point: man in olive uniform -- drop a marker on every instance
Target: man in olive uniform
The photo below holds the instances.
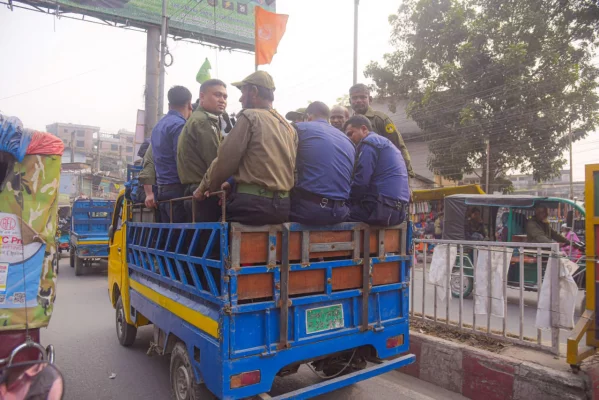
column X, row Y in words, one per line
column 198, row 145
column 359, row 97
column 296, row 116
column 259, row 154
column 538, row 229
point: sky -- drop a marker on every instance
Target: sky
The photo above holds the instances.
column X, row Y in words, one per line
column 64, row 70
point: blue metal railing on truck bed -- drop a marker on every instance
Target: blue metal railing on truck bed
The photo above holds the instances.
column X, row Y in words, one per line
column 237, row 316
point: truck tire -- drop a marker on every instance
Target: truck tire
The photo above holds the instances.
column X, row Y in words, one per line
column 72, row 259
column 78, row 266
column 183, row 384
column 125, row 332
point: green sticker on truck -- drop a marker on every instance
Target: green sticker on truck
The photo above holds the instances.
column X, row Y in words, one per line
column 324, row 318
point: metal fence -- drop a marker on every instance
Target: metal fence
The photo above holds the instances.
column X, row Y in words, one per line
column 462, row 281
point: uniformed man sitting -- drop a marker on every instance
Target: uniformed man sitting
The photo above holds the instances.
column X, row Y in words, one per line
column 198, row 146
column 380, row 191
column 359, row 97
column 259, row 153
column 325, row 162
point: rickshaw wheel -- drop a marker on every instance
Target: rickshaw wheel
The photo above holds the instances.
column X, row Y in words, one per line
column 454, row 284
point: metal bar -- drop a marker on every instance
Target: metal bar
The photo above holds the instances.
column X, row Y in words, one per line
column 305, row 247
column 412, row 282
column 365, row 279
column 555, row 300
column 272, row 249
column 461, row 311
column 381, row 239
column 479, row 243
column 521, row 249
column 474, row 262
column 193, row 210
column 424, row 287
column 356, row 238
column 448, row 285
column 504, row 268
column 490, row 289
column 539, row 282
column 284, row 302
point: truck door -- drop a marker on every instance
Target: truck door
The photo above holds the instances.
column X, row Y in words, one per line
column 116, row 258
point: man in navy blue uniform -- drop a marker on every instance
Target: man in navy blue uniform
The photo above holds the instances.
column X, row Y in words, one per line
column 325, row 162
column 165, row 137
column 380, row 191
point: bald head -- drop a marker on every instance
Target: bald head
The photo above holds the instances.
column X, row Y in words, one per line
column 339, row 115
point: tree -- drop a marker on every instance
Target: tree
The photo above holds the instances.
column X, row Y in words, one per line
column 518, row 73
column 344, row 101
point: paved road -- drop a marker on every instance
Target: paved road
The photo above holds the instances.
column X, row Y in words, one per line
column 513, row 309
column 82, row 330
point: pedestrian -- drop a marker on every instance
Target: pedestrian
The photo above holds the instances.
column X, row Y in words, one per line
column 380, row 191
column 439, row 225
column 325, row 162
column 475, row 227
column 360, row 99
column 259, row 154
column 165, row 136
column 339, row 115
column 198, row 146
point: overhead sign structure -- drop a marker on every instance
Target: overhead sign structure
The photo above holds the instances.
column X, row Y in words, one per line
column 221, row 22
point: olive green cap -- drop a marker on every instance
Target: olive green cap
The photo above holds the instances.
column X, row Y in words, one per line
column 258, row 78
column 295, row 115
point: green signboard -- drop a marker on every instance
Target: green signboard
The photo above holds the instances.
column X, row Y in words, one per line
column 324, row 318
column 221, row 22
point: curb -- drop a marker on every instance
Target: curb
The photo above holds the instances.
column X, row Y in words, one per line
column 479, row 374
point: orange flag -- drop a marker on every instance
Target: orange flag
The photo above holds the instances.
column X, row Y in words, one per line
column 270, row 28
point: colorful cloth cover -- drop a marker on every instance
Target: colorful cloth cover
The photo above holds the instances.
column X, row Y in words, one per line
column 28, row 218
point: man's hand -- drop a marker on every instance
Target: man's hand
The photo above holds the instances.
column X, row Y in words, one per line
column 150, row 202
column 199, row 195
column 226, row 187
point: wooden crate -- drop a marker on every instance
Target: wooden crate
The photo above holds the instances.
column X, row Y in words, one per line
column 256, row 246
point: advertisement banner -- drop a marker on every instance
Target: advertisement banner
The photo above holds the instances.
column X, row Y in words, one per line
column 221, row 22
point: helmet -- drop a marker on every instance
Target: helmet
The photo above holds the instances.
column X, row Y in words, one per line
column 565, row 226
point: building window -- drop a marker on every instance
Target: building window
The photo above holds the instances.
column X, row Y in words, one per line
column 129, row 140
column 80, row 143
column 129, row 158
column 114, row 147
column 129, row 149
column 80, row 134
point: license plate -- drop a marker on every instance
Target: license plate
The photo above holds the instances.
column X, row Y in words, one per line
column 324, row 318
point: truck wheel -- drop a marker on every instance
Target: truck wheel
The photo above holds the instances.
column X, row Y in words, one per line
column 125, row 332
column 455, row 284
column 78, row 266
column 183, row 384
column 72, row 259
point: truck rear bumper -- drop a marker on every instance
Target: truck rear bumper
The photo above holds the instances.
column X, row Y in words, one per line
column 345, row 380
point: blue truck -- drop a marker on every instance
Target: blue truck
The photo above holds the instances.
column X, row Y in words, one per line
column 90, row 220
column 236, row 306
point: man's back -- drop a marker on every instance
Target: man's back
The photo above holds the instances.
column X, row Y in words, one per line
column 380, row 170
column 325, row 160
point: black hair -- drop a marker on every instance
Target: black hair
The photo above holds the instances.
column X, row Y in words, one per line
column 319, row 109
column 211, row 83
column 359, row 87
column 266, row 94
column 179, row 96
column 358, row 121
column 474, row 209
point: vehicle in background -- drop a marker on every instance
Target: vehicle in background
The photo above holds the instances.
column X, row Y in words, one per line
column 90, row 220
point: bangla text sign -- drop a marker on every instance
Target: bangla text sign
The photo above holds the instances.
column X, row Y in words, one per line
column 222, row 22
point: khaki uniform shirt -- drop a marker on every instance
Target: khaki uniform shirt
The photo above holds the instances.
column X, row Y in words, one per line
column 383, row 125
column 197, row 146
column 541, row 232
column 147, row 176
column 259, row 150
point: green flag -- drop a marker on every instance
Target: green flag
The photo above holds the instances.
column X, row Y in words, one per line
column 204, row 72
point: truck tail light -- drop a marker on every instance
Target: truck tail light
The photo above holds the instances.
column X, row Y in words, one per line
column 394, row 341
column 245, row 379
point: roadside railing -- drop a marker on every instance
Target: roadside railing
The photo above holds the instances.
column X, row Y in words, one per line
column 470, row 283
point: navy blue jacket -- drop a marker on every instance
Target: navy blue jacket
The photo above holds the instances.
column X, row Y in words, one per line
column 165, row 136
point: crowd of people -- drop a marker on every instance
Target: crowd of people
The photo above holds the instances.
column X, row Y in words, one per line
column 317, row 166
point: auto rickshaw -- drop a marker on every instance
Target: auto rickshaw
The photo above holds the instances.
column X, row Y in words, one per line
column 519, row 208
column 30, row 164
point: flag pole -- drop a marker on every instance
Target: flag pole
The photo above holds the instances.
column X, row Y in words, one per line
column 356, row 3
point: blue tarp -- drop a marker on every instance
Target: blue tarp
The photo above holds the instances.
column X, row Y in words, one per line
column 14, row 139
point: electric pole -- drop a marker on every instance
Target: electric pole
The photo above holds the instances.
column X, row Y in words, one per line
column 356, row 4
column 488, row 164
column 571, row 166
column 152, row 75
column 163, row 36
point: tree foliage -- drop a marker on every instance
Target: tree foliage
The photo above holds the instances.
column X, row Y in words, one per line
column 518, row 73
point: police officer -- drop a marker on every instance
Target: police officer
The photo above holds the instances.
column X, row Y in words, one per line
column 380, row 190
column 325, row 162
column 359, row 96
column 259, row 154
column 296, row 116
column 198, row 146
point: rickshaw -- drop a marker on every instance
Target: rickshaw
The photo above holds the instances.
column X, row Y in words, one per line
column 519, row 208
column 30, row 164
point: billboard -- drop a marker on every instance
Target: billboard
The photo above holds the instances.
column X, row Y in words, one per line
column 221, row 22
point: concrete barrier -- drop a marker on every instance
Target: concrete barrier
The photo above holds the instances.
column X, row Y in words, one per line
column 479, row 374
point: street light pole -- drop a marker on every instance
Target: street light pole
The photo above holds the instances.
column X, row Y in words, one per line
column 356, row 3
column 163, row 34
